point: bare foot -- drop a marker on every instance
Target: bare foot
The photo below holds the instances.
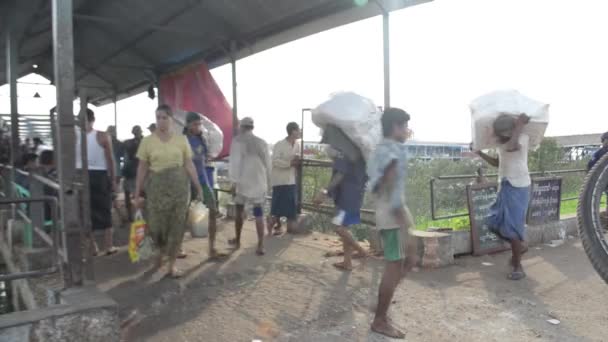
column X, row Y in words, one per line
column 159, row 262
column 111, row 251
column 343, row 266
column 214, row 254
column 234, row 243
column 360, row 255
column 260, row 251
column 182, row 254
column 384, row 328
column 175, row 273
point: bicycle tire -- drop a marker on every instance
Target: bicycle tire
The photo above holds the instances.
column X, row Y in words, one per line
column 588, row 214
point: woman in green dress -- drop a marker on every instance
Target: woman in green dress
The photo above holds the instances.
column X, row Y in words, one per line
column 165, row 170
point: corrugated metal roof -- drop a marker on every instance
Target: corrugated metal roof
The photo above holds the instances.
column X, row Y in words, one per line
column 121, row 46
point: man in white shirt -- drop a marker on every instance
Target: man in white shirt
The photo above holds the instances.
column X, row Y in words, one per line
column 249, row 173
column 508, row 215
column 285, row 159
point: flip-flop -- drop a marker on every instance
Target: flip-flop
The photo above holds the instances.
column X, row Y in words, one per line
column 218, row 256
column 340, row 266
column 175, row 274
column 395, row 333
column 111, row 251
column 277, row 232
column 360, row 256
column 182, row 255
column 517, row 275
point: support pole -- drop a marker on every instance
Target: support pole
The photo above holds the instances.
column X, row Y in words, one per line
column 63, row 63
column 84, row 191
column 158, row 93
column 387, row 58
column 11, row 67
column 235, row 117
column 115, row 117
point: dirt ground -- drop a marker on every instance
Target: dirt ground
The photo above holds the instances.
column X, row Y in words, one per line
column 294, row 294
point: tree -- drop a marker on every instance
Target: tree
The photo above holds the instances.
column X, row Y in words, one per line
column 546, row 157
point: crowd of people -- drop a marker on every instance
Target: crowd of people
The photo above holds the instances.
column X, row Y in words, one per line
column 162, row 173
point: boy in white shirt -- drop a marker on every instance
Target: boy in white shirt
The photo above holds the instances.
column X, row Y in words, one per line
column 508, row 213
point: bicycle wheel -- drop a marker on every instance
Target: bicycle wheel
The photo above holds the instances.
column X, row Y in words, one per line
column 590, row 226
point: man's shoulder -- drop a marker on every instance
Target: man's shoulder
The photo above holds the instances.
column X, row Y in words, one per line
column 260, row 140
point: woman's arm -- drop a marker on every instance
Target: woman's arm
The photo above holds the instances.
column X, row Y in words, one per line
column 142, row 173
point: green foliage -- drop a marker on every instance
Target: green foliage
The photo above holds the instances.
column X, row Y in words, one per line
column 546, row 157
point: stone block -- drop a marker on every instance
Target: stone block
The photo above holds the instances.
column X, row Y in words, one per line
column 434, row 249
column 303, row 225
column 84, row 314
column 461, row 242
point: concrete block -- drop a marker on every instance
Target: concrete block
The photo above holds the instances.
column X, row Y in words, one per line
column 18, row 333
column 303, row 225
column 84, row 314
column 461, row 242
column 434, row 249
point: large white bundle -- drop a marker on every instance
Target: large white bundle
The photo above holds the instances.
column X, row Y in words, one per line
column 211, row 132
column 213, row 136
column 485, row 109
column 357, row 116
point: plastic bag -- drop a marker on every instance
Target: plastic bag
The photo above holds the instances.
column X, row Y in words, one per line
column 214, row 137
column 197, row 219
column 358, row 117
column 485, row 109
column 140, row 244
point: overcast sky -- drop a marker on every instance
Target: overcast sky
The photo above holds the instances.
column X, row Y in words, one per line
column 443, row 55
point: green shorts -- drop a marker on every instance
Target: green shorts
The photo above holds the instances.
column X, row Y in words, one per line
column 394, row 242
column 208, row 195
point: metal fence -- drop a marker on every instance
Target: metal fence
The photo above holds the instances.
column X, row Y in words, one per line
column 434, row 180
column 31, row 210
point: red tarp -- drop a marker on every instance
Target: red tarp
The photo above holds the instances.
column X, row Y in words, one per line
column 193, row 89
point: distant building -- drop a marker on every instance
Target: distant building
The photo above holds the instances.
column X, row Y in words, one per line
column 430, row 150
column 580, row 146
column 426, row 150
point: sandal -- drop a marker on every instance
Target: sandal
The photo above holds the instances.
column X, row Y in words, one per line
column 516, row 275
column 175, row 274
column 111, row 251
column 342, row 267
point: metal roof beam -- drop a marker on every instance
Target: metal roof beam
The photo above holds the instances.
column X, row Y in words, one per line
column 116, row 21
column 142, row 36
column 95, row 73
column 121, row 41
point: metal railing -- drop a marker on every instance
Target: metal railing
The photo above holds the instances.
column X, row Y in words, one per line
column 534, row 174
column 36, row 221
column 54, row 243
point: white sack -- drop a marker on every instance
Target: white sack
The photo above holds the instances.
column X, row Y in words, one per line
column 485, row 109
column 214, row 137
column 357, row 116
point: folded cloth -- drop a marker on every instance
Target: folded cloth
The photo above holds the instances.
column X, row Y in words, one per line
column 508, row 214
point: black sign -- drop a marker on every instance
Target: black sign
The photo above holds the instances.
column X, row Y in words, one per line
column 480, row 198
column 545, row 200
